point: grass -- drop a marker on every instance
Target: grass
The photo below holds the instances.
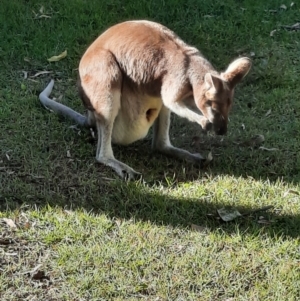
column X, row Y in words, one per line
column 81, row 233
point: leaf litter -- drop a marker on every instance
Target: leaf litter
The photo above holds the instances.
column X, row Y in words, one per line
column 198, row 228
column 41, row 14
column 268, row 113
column 24, row 260
column 208, row 159
column 59, row 57
column 254, row 141
column 9, row 222
column 295, row 26
column 40, row 73
column 268, row 149
column 290, row 191
column 230, row 214
column 283, row 7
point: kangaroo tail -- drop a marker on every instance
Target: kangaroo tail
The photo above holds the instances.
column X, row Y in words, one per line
column 60, row 108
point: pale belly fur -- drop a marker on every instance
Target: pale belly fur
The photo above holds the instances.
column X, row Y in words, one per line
column 136, row 115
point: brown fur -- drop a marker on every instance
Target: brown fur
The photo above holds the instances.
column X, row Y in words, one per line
column 135, row 73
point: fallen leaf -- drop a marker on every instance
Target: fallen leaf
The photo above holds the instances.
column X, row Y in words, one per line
column 209, row 156
column 264, row 222
column 68, row 154
column 43, row 16
column 208, row 159
column 258, row 210
column 11, row 254
column 35, row 14
column 5, row 241
column 228, row 214
column 272, row 32
column 268, row 149
column 199, row 228
column 58, row 99
column 282, row 6
column 41, row 73
column 25, row 74
column 296, row 26
column 268, row 113
column 231, row 214
column 34, row 270
column 252, row 53
column 118, row 222
column 211, row 215
column 32, row 80
column 57, row 58
column 10, row 222
column 107, row 179
column 291, row 191
column 48, row 109
column 257, row 139
column 253, row 141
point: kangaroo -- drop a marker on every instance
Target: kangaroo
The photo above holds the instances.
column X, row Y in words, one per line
column 134, row 75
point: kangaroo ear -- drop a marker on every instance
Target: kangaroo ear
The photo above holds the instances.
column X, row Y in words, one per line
column 236, row 71
column 213, row 83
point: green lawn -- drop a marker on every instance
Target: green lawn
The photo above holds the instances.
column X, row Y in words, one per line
column 75, row 231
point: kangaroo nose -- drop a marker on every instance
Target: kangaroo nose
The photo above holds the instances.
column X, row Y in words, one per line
column 222, row 131
column 208, row 127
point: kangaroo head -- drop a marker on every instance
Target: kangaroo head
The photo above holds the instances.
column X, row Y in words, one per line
column 217, row 97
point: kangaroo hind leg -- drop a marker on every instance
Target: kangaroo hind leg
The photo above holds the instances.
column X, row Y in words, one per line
column 102, row 85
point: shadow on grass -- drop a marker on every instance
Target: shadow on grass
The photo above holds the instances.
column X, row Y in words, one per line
column 142, row 202
column 79, row 183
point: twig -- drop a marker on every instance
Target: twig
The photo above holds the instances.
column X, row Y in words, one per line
column 258, row 210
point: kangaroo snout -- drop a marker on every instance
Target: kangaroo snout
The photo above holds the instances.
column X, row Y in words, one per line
column 220, row 127
column 207, row 126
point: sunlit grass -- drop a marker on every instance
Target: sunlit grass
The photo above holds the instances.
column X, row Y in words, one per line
column 97, row 238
